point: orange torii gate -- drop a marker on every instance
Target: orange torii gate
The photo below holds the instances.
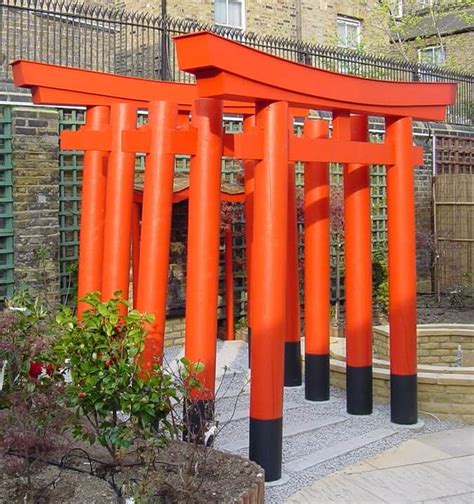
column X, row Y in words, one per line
column 262, row 88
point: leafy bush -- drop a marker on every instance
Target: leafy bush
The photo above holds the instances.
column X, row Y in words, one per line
column 119, row 402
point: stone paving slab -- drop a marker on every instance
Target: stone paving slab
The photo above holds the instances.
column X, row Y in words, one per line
column 431, row 447
column 436, row 468
column 333, row 490
column 466, row 498
column 416, row 482
column 460, row 468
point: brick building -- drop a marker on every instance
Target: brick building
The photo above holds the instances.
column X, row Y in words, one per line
column 339, row 22
column 428, row 31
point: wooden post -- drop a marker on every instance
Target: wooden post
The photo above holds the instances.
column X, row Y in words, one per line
column 358, row 278
column 249, row 187
column 402, row 273
column 317, row 270
column 156, row 228
column 293, row 376
column 203, row 255
column 268, row 299
column 119, row 201
column 94, row 183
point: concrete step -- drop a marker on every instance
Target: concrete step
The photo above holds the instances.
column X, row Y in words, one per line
column 331, row 452
column 289, row 430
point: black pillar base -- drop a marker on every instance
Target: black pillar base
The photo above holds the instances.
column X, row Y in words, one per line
column 316, row 377
column 198, row 417
column 359, row 390
column 403, row 399
column 266, row 446
column 293, row 376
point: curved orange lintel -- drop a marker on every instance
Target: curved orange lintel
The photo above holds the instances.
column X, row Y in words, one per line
column 59, row 85
column 208, row 55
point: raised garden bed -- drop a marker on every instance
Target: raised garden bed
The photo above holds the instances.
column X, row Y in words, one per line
column 444, row 390
column 219, row 477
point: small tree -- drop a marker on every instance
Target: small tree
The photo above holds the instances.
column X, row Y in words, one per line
column 406, row 27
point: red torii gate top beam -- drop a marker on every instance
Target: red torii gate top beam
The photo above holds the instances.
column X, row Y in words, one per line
column 229, row 70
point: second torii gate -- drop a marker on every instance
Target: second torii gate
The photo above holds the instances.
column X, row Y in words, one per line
column 263, row 88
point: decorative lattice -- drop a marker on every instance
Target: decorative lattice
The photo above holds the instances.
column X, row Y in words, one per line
column 6, row 205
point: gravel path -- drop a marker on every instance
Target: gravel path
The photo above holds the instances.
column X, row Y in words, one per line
column 336, row 441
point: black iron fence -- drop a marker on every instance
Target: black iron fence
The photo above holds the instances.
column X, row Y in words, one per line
column 109, row 39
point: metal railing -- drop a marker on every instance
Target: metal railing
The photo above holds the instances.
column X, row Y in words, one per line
column 110, row 39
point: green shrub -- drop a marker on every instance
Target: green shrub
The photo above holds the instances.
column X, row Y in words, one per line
column 115, row 402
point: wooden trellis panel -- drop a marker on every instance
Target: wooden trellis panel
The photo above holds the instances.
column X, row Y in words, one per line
column 454, row 155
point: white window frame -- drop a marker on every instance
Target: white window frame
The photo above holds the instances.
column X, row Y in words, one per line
column 398, row 9
column 432, row 49
column 423, row 4
column 242, row 7
column 347, row 21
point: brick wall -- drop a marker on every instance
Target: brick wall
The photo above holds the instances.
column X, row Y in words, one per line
column 435, row 348
column 272, row 17
column 35, row 200
column 56, row 39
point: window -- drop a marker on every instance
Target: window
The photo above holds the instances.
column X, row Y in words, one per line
column 432, row 55
column 425, row 3
column 348, row 32
column 397, row 9
column 230, row 13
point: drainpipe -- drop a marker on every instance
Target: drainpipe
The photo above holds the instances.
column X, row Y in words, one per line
column 164, row 43
column 299, row 30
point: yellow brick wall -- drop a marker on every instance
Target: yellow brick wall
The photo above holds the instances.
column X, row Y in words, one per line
column 272, row 17
column 432, row 349
column 446, row 397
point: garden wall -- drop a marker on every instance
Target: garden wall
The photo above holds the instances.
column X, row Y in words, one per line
column 444, row 391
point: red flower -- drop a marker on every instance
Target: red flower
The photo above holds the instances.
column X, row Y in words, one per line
column 35, row 369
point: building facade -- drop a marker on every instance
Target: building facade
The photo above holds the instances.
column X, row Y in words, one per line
column 426, row 31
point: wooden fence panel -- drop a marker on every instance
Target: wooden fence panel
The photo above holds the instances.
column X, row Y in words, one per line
column 454, row 221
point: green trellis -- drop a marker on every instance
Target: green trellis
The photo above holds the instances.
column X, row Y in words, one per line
column 6, row 205
column 70, row 179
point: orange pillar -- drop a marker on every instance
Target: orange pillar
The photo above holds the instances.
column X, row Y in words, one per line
column 119, row 201
column 358, row 278
column 94, row 182
column 317, row 270
column 136, row 211
column 156, row 227
column 249, row 186
column 292, row 338
column 229, row 284
column 402, row 273
column 203, row 253
column 268, row 291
